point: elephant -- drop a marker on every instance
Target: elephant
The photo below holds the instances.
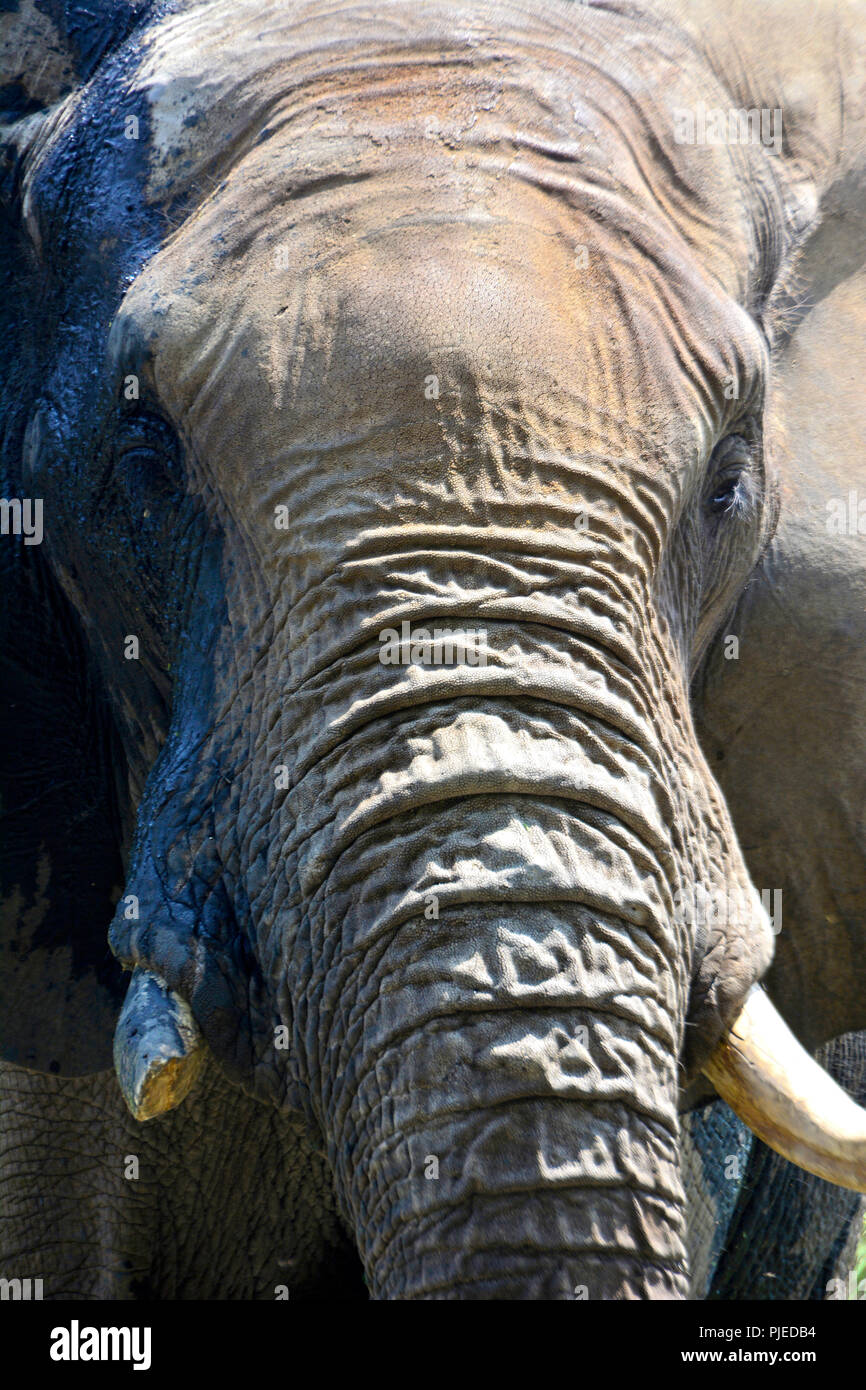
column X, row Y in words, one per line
column 433, row 649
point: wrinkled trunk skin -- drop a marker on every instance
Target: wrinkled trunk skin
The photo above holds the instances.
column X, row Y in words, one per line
column 495, row 996
column 501, row 1122
column 468, row 896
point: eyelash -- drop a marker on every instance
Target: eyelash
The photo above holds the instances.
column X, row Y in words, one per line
column 728, row 495
column 731, row 489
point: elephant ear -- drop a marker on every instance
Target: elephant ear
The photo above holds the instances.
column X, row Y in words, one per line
column 782, row 712
column 60, row 766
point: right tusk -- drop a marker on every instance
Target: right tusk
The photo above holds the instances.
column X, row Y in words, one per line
column 781, row 1093
column 158, row 1049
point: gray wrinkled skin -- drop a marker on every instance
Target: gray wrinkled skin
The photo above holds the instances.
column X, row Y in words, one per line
column 100, row 1207
column 434, row 321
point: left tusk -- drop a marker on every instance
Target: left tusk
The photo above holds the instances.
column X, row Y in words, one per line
column 158, row 1049
column 785, row 1098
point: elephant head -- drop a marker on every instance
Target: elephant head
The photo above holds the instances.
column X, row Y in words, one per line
column 397, row 415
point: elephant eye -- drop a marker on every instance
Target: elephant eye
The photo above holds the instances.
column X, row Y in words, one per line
column 145, row 442
column 730, row 490
column 145, row 433
column 725, row 495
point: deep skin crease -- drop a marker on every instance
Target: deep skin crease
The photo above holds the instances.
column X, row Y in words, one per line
column 441, row 285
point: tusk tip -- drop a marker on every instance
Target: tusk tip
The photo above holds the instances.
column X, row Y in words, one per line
column 158, row 1048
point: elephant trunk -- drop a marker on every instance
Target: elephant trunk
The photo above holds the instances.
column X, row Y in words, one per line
column 462, row 890
column 501, row 1114
column 491, row 999
column 485, row 968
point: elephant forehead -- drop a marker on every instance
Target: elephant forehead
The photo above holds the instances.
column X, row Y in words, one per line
column 374, row 198
column 423, row 342
column 368, row 300
column 216, row 73
column 473, row 296
column 548, row 91
column 362, row 252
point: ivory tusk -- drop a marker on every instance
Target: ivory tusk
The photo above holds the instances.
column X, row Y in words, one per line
column 781, row 1093
column 158, row 1049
